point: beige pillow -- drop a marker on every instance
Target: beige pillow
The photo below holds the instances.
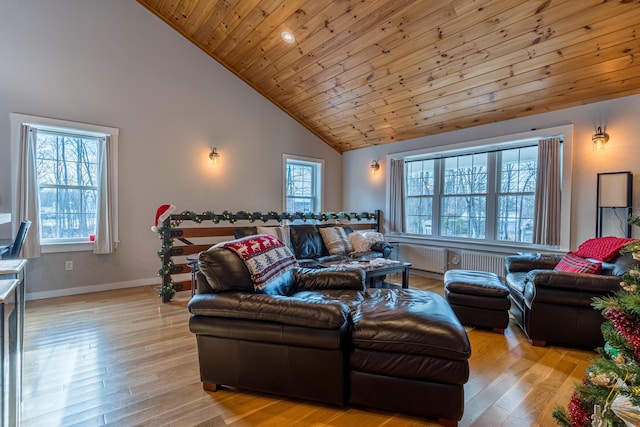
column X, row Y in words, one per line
column 281, row 233
column 362, row 240
column 336, row 241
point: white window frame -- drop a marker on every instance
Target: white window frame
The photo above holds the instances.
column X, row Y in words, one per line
column 17, row 120
column 498, row 143
column 318, row 166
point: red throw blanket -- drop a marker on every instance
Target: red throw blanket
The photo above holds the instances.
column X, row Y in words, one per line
column 602, row 248
column 265, row 256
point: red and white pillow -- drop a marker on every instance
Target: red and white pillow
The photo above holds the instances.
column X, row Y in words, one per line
column 265, row 256
column 571, row 263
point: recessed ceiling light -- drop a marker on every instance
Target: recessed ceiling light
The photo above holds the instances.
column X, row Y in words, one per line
column 287, row 37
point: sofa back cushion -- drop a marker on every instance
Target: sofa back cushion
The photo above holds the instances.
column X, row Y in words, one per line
column 265, row 256
column 281, row 232
column 571, row 263
column 335, row 240
column 224, row 271
column 306, row 241
column 619, row 265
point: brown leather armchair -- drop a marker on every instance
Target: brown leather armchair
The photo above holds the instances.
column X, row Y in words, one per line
column 555, row 306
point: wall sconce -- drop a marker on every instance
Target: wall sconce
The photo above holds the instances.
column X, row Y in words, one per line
column 214, row 155
column 599, row 139
column 374, row 167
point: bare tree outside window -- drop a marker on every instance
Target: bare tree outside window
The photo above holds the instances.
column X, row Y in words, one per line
column 464, row 200
column 516, row 198
column 67, row 174
column 302, row 186
column 419, row 201
column 456, row 191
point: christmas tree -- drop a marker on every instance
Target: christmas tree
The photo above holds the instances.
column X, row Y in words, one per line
column 610, row 392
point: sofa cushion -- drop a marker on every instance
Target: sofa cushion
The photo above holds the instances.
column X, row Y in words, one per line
column 602, row 248
column 409, row 321
column 280, row 232
column 224, row 271
column 241, row 232
column 571, row 263
column 265, row 257
column 336, row 241
column 362, row 241
column 323, row 313
column 306, row 241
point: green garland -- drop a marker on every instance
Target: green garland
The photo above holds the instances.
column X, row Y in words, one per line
column 169, row 288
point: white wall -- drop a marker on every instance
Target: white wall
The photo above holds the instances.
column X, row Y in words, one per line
column 113, row 63
column 619, row 117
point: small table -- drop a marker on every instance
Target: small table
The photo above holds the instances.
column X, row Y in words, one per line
column 192, row 263
column 376, row 267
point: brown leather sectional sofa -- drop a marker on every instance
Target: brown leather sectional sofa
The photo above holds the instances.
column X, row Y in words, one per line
column 319, row 334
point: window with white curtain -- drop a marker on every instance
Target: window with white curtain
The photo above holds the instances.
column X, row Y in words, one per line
column 66, row 183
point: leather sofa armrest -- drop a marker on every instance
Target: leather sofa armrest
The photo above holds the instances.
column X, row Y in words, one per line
column 383, row 247
column 308, row 279
column 515, row 263
column 583, row 282
column 319, row 313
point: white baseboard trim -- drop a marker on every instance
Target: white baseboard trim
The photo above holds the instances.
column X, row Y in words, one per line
column 90, row 289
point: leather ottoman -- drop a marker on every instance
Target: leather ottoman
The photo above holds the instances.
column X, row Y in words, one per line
column 410, row 354
column 478, row 298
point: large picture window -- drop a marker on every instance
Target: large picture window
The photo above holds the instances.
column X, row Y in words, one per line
column 485, row 196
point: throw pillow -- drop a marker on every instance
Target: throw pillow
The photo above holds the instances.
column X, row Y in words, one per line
column 602, row 248
column 336, row 241
column 571, row 263
column 281, row 233
column 363, row 240
column 265, row 257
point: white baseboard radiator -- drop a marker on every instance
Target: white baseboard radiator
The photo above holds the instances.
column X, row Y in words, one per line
column 425, row 258
column 472, row 260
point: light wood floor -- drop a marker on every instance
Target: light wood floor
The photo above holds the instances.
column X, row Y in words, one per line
column 122, row 358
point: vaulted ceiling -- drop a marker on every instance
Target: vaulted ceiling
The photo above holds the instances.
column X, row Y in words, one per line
column 368, row 72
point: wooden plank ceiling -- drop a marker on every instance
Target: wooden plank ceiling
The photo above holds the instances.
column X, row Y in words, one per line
column 368, row 72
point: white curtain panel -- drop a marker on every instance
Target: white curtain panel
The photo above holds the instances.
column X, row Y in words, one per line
column 28, row 202
column 546, row 221
column 396, row 195
column 106, row 228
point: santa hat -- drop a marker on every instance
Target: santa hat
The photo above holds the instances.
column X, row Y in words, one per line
column 162, row 213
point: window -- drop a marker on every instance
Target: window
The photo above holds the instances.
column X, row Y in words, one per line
column 419, row 202
column 483, row 195
column 516, row 195
column 302, row 184
column 67, row 177
column 464, row 196
column 65, row 182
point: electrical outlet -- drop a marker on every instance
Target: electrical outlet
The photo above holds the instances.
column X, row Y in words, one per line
column 68, row 265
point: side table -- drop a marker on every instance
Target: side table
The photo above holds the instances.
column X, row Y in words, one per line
column 12, row 303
